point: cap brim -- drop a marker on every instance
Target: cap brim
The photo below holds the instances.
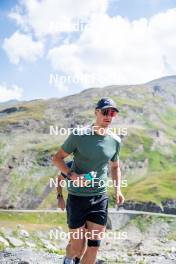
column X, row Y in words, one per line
column 104, row 107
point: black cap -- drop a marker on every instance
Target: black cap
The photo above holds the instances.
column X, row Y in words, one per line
column 106, row 102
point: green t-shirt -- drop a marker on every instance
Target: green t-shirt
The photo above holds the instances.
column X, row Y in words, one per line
column 91, row 152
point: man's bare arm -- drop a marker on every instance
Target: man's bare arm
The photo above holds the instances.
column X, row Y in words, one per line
column 58, row 161
column 116, row 177
column 116, row 174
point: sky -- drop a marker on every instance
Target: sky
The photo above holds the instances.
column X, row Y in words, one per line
column 54, row 48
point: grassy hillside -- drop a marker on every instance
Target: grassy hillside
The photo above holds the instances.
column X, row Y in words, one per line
column 148, row 152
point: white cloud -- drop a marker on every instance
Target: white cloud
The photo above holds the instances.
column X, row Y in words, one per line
column 10, row 92
column 114, row 50
column 21, row 47
column 49, row 17
column 111, row 50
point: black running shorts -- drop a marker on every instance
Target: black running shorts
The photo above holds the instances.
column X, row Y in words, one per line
column 86, row 208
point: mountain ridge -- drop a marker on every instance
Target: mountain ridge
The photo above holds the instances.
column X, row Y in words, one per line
column 148, row 151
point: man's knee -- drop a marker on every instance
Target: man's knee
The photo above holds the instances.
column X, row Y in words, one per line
column 77, row 248
column 93, row 243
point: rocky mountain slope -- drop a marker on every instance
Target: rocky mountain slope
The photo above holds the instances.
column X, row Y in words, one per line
column 148, row 153
column 31, row 238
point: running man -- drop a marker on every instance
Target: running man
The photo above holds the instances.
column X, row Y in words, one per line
column 94, row 148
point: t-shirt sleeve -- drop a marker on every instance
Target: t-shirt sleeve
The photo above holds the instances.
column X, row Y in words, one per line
column 70, row 144
column 116, row 155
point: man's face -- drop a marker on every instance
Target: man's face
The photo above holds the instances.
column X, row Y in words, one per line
column 104, row 120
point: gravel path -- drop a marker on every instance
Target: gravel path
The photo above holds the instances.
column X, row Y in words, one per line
column 28, row 256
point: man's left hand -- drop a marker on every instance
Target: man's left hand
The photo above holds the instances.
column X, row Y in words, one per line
column 119, row 198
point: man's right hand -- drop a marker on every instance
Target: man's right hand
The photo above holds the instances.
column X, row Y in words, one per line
column 61, row 203
column 79, row 179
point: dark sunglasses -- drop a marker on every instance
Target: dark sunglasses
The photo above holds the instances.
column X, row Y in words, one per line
column 109, row 112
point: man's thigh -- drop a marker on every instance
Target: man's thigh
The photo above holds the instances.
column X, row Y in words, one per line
column 95, row 231
column 77, row 238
